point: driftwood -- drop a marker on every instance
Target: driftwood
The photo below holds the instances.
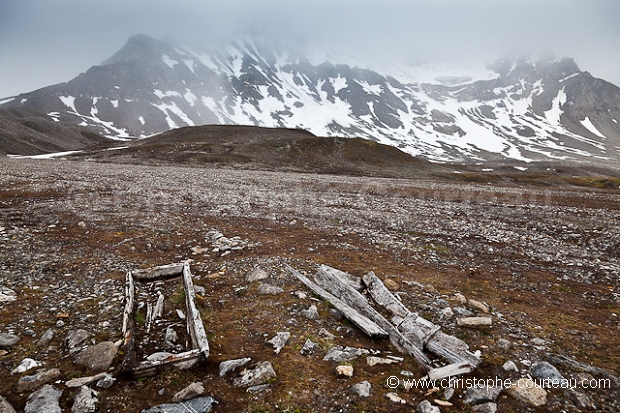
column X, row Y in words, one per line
column 366, row 325
column 449, row 371
column 421, row 331
column 195, row 326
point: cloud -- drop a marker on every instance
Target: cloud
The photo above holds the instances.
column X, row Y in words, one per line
column 45, row 42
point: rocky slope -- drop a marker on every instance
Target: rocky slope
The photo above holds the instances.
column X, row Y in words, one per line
column 519, row 109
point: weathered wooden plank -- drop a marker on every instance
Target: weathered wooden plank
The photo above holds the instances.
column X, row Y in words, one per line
column 449, row 370
column 382, row 296
column 181, row 361
column 195, row 326
column 363, row 323
column 356, row 300
column 353, row 281
column 157, row 273
column 128, row 324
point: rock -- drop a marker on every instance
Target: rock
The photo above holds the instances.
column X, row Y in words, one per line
column 460, row 299
column 526, row 392
column 311, row 313
column 257, row 274
column 361, row 389
column 268, row 289
column 260, row 374
column 7, row 295
column 29, row 332
column 446, row 312
column 477, row 306
column 261, row 388
column 545, row 371
column 279, row 341
column 340, row 354
column 479, row 395
column 46, row 338
column 5, row 406
column 8, row 340
column 44, row 400
column 373, row 361
column 29, row 383
column 344, row 371
column 463, row 312
column 448, row 393
column 504, row 344
column 193, row 390
column 98, row 357
column 391, row 284
column 199, row 290
column 232, row 365
column 25, row 365
column 310, row 347
column 85, row 381
column 326, row 334
column 171, row 336
column 106, row 382
column 395, row 398
column 76, row 338
column 474, row 322
column 85, row 401
column 510, row 366
column 580, row 399
column 488, row 407
column 426, row 407
column 196, row 405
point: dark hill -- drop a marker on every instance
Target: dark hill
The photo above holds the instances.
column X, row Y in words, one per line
column 270, row 149
column 25, row 131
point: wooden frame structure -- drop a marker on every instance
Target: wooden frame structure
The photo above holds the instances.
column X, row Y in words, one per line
column 195, row 327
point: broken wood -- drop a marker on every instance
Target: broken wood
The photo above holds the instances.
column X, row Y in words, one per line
column 356, row 300
column 449, row 370
column 157, row 273
column 195, row 327
column 366, row 325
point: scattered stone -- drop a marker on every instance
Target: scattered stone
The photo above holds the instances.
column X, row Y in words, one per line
column 268, row 289
column 76, row 338
column 98, row 357
column 25, row 365
column 446, row 312
column 361, row 389
column 260, row 374
column 279, row 341
column 373, row 361
column 29, row 383
column 85, row 381
column 5, row 406
column 46, row 338
column 195, row 405
column 310, row 347
column 171, row 336
column 60, row 323
column 193, row 390
column 395, row 398
column 504, row 344
column 106, row 382
column 7, row 295
column 479, row 395
column 232, row 365
column 426, row 407
column 488, row 407
column 580, row 399
column 460, row 299
column 474, row 322
column 391, row 284
column 526, row 392
column 477, row 306
column 257, row 274
column 510, row 366
column 261, row 388
column 44, row 400
column 29, row 332
column 199, row 290
column 8, row 340
column 463, row 312
column 85, row 401
column 340, row 354
column 545, row 371
column 311, row 313
column 326, row 334
column 344, row 371
column 82, row 224
column 448, row 393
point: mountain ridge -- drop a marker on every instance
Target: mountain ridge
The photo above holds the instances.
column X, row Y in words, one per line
column 543, row 110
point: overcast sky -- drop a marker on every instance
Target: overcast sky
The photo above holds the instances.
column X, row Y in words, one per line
column 43, row 42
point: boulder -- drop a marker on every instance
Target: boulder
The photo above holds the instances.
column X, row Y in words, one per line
column 257, row 274
column 546, row 371
column 85, row 401
column 8, row 340
column 193, row 390
column 361, row 389
column 310, row 347
column 29, row 383
column 527, row 392
column 232, row 365
column 44, row 400
column 344, row 371
column 260, row 374
column 279, row 341
column 98, row 357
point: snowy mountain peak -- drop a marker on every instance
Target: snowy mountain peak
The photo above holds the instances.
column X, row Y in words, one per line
column 518, row 109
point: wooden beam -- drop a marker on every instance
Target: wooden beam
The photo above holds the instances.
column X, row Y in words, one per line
column 195, row 326
column 157, row 273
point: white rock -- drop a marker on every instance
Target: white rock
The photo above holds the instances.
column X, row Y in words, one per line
column 25, row 365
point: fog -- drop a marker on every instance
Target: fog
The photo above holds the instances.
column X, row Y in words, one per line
column 44, row 42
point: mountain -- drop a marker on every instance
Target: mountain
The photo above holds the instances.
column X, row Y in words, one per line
column 525, row 110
